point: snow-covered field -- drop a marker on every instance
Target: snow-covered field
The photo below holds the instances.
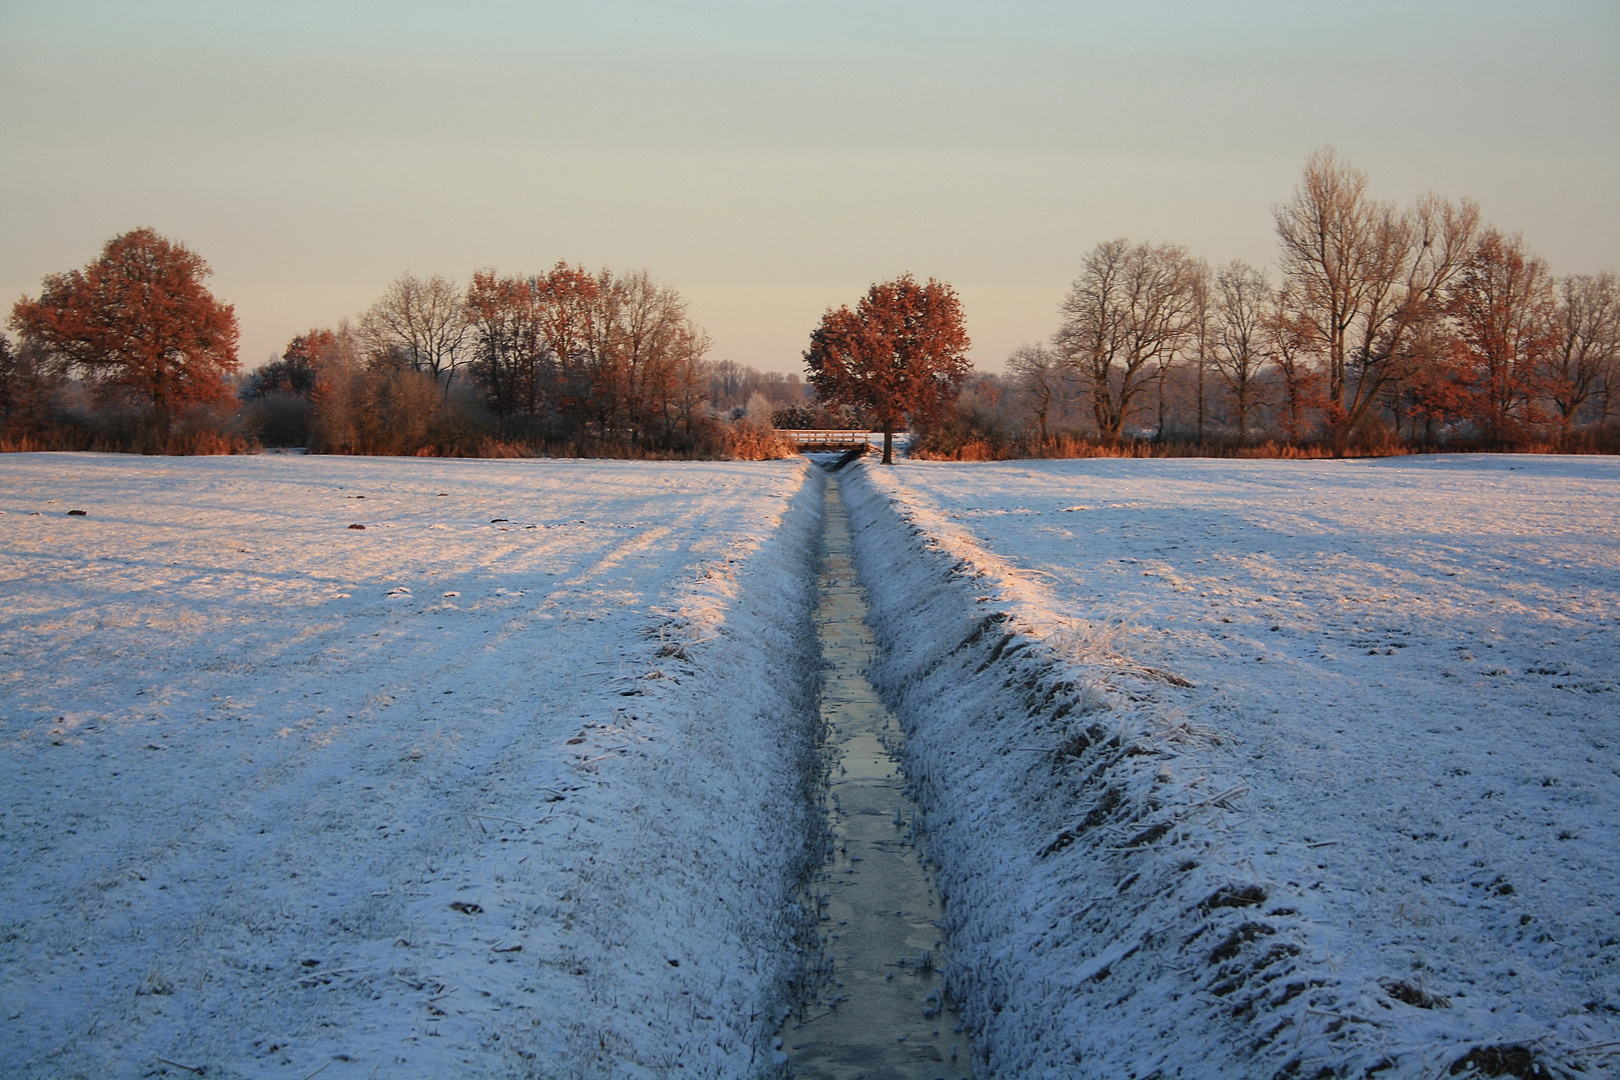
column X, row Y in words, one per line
column 1233, row 769
column 509, row 782
column 1242, row 769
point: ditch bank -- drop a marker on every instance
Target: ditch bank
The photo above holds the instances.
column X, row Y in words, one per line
column 728, row 808
column 1103, row 920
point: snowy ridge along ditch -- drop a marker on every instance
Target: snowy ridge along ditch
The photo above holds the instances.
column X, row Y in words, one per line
column 729, row 806
column 1102, row 921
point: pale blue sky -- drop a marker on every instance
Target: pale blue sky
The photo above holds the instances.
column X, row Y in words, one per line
column 772, row 159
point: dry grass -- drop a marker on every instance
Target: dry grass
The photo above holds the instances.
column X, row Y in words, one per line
column 1068, row 446
column 23, row 444
column 499, row 448
column 1090, row 640
column 743, row 441
column 181, row 443
column 1597, row 441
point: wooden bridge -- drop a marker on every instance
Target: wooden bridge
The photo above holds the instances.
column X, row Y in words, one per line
column 829, row 438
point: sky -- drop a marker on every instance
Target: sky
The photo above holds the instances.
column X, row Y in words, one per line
column 771, row 160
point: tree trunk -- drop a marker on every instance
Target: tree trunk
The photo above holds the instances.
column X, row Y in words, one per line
column 1158, row 432
column 161, row 414
column 888, row 444
column 1200, row 389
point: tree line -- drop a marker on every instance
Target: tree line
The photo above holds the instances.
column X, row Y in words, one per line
column 1386, row 326
column 133, row 353
column 1381, row 327
column 568, row 361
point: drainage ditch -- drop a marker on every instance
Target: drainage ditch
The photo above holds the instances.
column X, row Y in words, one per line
column 878, row 1009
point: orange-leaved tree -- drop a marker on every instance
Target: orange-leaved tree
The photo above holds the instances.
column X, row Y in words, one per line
column 900, row 356
column 1505, row 315
column 138, row 317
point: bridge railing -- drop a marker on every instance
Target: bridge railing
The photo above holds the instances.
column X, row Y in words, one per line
column 829, row 438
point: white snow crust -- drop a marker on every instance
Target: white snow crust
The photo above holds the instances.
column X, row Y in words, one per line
column 1263, row 768
column 250, row 758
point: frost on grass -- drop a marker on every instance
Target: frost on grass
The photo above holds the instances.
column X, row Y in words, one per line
column 1264, row 769
column 509, row 782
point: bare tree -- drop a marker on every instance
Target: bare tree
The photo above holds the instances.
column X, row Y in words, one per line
column 727, row 382
column 1586, row 362
column 418, row 324
column 570, row 351
column 1201, row 337
column 1125, row 318
column 690, row 384
column 1042, row 379
column 650, row 340
column 1364, row 275
column 1242, row 313
column 1288, row 341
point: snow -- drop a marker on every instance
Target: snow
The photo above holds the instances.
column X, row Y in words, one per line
column 1242, row 769
column 510, row 781
column 1230, row 769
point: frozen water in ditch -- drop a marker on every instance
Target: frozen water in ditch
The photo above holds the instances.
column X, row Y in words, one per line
column 878, row 1011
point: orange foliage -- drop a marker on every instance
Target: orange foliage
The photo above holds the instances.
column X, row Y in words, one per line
column 139, row 317
column 899, row 356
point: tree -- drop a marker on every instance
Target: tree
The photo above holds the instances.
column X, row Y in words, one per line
column 138, row 317
column 655, row 348
column 510, row 356
column 1586, row 361
column 278, row 399
column 1365, row 277
column 1125, row 318
column 28, row 387
column 900, row 356
column 1288, row 339
column 1201, row 338
column 1041, row 377
column 1504, row 312
column 294, row 371
column 570, row 310
column 1242, row 310
column 418, row 324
